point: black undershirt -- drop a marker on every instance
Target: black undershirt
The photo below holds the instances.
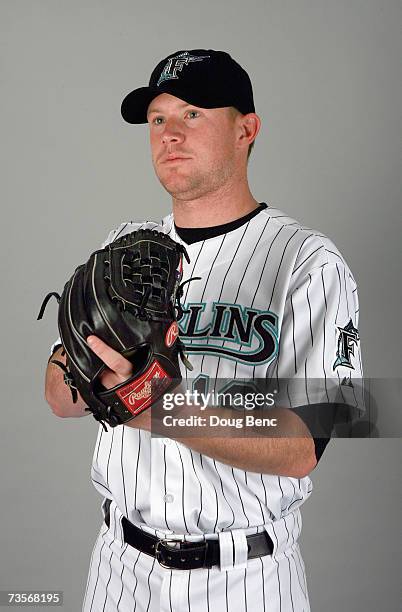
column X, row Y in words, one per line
column 195, row 234
column 190, row 235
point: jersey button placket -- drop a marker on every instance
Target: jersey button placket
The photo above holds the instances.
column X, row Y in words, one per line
column 157, row 490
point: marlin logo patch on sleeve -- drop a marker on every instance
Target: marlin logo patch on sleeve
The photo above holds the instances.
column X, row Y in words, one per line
column 347, row 340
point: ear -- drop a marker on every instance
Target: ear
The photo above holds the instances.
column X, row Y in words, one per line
column 249, row 126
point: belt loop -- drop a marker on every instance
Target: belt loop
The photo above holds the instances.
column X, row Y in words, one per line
column 240, row 548
column 226, row 550
column 233, row 549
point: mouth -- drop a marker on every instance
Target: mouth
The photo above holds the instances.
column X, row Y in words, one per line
column 173, row 156
column 174, row 159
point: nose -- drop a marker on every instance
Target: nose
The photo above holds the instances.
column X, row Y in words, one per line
column 172, row 132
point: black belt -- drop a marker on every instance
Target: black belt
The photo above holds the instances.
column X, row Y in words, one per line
column 190, row 555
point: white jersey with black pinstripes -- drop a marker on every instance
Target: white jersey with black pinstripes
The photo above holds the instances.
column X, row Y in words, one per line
column 272, row 301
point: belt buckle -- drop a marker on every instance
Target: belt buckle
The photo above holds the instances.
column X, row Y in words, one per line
column 163, row 542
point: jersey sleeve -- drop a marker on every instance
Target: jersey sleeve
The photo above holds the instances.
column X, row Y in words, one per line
column 319, row 366
column 56, row 344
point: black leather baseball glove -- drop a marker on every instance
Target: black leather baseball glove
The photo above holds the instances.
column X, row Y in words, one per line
column 127, row 294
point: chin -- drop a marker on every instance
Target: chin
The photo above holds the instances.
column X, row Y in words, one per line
column 174, row 184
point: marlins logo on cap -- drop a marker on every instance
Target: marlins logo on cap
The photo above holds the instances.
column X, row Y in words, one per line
column 176, row 63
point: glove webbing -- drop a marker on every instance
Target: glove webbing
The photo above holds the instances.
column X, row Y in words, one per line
column 147, row 270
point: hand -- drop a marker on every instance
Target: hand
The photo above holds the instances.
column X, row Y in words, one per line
column 118, row 367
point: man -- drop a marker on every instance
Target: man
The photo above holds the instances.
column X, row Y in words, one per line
column 276, row 301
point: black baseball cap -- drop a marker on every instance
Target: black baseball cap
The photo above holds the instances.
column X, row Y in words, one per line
column 203, row 77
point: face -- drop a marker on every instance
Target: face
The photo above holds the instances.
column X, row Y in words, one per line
column 203, row 139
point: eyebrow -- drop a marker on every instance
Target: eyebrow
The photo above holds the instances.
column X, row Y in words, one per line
column 158, row 110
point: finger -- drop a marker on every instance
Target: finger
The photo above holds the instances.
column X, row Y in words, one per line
column 113, row 359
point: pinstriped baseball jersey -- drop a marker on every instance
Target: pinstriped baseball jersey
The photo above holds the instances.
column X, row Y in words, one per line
column 275, row 300
column 272, row 301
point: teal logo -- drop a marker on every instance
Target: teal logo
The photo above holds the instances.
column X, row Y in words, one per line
column 347, row 340
column 250, row 336
column 176, row 63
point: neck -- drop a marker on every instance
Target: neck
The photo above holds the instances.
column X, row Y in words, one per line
column 215, row 208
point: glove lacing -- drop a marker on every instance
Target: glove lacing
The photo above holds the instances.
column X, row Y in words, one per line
column 67, row 375
column 180, row 312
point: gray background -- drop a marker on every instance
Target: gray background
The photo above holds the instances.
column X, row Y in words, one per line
column 327, row 86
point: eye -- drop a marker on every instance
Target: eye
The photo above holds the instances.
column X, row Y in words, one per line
column 155, row 121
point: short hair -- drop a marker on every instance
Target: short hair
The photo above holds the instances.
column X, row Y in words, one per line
column 234, row 112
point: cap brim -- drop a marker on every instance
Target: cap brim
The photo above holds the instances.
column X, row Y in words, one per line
column 135, row 104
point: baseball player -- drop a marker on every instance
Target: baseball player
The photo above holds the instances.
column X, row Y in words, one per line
column 201, row 523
